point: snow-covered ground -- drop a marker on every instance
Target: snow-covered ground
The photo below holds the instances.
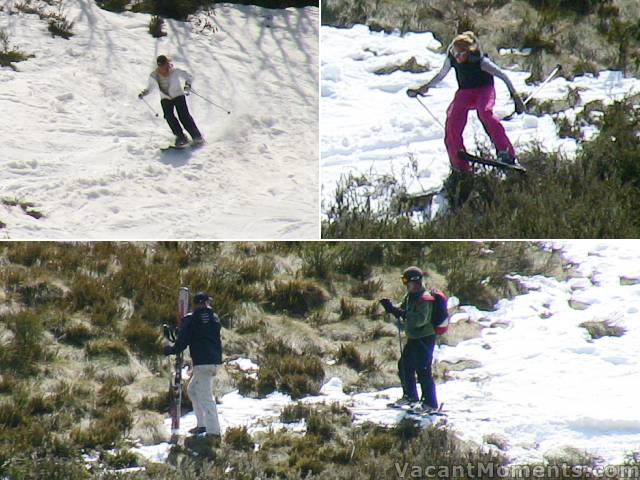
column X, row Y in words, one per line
column 367, row 122
column 78, row 143
column 542, row 383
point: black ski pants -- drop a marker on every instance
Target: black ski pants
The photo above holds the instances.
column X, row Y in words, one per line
column 416, row 359
column 180, row 105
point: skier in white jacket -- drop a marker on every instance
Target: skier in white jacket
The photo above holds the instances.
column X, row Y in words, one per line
column 172, row 95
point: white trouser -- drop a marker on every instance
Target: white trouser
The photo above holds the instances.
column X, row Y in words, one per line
column 201, row 395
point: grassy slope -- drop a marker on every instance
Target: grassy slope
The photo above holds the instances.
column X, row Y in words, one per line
column 581, row 35
column 80, row 330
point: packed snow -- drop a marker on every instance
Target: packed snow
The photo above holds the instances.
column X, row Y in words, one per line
column 369, row 125
column 78, row 143
column 538, row 380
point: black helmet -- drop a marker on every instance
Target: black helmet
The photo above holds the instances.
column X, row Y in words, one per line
column 200, row 298
column 161, row 60
column 412, row 274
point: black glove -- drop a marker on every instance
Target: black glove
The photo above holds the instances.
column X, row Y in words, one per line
column 519, row 104
column 167, row 350
column 387, row 305
column 141, row 94
column 398, row 313
column 414, row 92
column 187, row 88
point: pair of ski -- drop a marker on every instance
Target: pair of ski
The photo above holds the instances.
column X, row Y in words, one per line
column 175, row 376
column 415, row 410
column 490, row 162
column 186, row 146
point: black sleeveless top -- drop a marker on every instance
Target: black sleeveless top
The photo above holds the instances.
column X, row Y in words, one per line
column 469, row 74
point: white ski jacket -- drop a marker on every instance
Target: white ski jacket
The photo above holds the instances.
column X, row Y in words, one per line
column 175, row 85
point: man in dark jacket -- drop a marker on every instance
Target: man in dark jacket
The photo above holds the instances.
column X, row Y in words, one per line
column 200, row 331
column 416, row 310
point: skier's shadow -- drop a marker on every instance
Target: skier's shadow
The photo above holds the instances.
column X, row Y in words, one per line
column 175, row 157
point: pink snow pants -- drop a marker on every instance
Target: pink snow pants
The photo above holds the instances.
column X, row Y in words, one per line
column 481, row 99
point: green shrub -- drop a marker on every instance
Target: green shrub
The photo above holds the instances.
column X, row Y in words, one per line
column 107, row 347
column 294, row 413
column 143, row 338
column 349, row 355
column 348, row 309
column 8, row 383
column 26, row 351
column 9, row 55
column 318, row 424
column 250, row 270
column 42, row 293
column 318, row 260
column 110, row 395
column 59, row 26
column 367, row 289
column 358, row 258
column 11, row 416
column 296, row 297
column 178, row 9
column 77, row 334
column 283, row 369
column 238, row 438
column 120, row 459
column 117, row 6
column 156, row 27
column 27, row 253
column 156, row 403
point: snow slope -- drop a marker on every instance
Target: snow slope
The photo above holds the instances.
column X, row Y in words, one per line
column 368, row 123
column 540, row 383
column 78, row 143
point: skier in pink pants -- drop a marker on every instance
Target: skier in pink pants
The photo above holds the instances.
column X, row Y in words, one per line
column 474, row 72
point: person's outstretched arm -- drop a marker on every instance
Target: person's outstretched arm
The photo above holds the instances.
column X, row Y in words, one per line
column 493, row 69
column 446, row 66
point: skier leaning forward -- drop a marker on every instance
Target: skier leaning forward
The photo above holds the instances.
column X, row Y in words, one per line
column 172, row 94
column 474, row 73
column 417, row 355
column 200, row 331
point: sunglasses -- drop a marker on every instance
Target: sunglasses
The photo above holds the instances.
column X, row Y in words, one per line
column 406, row 280
column 459, row 53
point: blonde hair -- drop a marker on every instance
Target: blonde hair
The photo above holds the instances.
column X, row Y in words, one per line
column 466, row 40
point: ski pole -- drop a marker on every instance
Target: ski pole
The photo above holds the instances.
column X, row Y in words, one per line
column 400, row 362
column 212, row 103
column 429, row 112
column 542, row 85
column 149, row 106
column 550, row 77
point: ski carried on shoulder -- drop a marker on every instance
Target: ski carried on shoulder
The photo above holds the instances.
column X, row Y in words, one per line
column 490, row 162
column 175, row 375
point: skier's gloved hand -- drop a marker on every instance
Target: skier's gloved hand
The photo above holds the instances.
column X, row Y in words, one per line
column 398, row 313
column 142, row 94
column 187, row 88
column 387, row 305
column 519, row 104
column 414, row 92
column 167, row 350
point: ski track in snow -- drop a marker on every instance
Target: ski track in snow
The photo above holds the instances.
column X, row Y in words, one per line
column 542, row 384
column 79, row 144
column 367, row 122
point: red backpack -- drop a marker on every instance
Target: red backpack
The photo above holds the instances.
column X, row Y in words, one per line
column 440, row 314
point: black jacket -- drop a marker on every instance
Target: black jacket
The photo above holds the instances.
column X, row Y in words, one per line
column 469, row 74
column 200, row 331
